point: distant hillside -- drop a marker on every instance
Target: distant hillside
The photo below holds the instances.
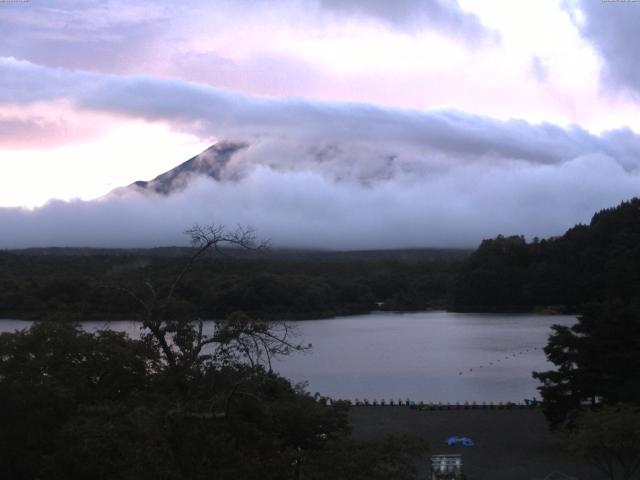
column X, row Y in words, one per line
column 287, row 284
column 410, row 254
column 210, row 163
column 595, row 262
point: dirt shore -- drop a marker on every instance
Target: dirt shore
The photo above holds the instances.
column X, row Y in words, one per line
column 509, row 444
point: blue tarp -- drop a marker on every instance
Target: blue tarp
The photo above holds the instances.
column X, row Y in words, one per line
column 463, row 441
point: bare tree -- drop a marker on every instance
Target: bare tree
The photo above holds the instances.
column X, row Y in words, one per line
column 184, row 343
column 239, row 338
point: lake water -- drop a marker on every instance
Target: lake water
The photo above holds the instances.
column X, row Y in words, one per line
column 428, row 356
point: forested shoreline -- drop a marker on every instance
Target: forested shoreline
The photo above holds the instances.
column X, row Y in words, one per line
column 88, row 284
column 505, row 274
column 599, row 262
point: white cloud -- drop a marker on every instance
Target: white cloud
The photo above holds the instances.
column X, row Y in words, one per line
column 456, row 208
column 330, row 174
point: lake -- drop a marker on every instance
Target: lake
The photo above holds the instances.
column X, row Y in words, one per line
column 428, row 356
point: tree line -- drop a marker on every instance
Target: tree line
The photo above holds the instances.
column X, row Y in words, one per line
column 80, row 284
column 597, row 262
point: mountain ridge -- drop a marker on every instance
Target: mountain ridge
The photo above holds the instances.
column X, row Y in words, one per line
column 211, row 163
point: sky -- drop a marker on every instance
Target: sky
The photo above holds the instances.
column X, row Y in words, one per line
column 370, row 123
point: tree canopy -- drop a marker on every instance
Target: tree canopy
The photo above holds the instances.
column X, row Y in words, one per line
column 594, row 262
column 78, row 284
column 184, row 401
column 597, row 362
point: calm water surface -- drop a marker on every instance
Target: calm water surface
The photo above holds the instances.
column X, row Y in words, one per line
column 430, row 356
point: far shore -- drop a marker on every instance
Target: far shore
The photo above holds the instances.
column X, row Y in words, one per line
column 302, row 318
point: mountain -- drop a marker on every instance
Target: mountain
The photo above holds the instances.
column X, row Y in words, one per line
column 211, row 163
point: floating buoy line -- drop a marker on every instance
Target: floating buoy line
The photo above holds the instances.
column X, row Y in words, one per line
column 507, row 357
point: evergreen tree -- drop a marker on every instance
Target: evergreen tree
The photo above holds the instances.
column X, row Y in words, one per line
column 597, row 362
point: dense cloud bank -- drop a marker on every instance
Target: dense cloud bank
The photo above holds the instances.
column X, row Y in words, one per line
column 456, row 208
column 332, row 175
column 329, row 129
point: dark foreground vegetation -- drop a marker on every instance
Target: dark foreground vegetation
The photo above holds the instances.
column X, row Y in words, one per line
column 179, row 403
column 84, row 284
column 102, row 406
